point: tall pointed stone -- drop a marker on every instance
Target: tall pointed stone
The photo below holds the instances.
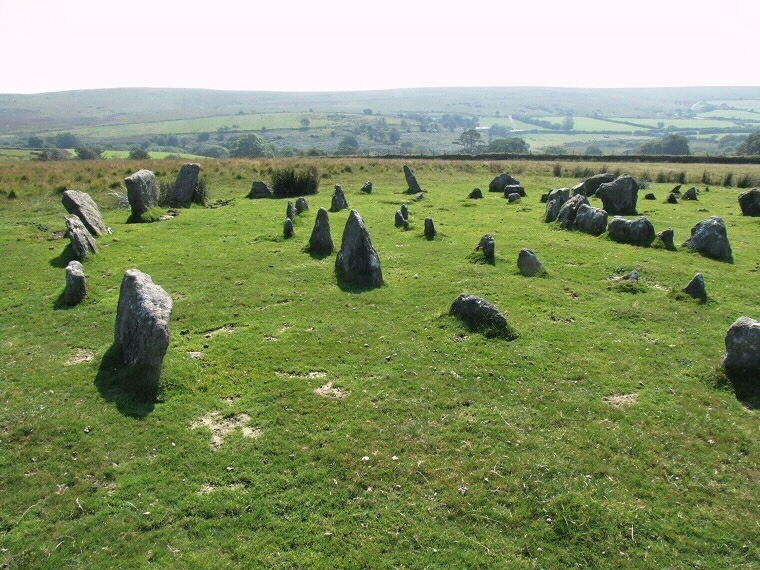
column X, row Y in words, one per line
column 358, row 262
column 321, row 241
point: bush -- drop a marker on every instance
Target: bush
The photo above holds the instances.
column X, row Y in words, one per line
column 557, row 170
column 747, row 181
column 728, row 179
column 291, row 183
column 139, row 154
column 53, row 154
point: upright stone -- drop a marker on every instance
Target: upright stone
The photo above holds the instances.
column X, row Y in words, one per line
column 142, row 191
column 430, row 231
column 290, row 211
column 405, row 211
column 488, row 246
column 357, row 261
column 696, row 288
column 743, row 348
column 709, row 237
column 667, row 236
column 749, row 202
column 401, row 221
column 321, row 241
column 288, row 229
column 260, row 189
column 143, row 324
column 81, row 205
column 635, row 232
column 619, row 197
column 482, row 316
column 301, row 205
column 339, row 201
column 76, row 284
column 503, row 180
column 569, row 211
column 476, row 194
column 411, row 181
column 82, row 241
column 183, row 191
column 672, row 198
column 367, row 188
column 528, row 263
column 690, row 194
column 554, row 201
column 514, row 189
column 589, row 186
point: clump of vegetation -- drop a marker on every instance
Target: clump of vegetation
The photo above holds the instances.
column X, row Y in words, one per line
column 747, row 180
column 293, row 182
column 201, row 195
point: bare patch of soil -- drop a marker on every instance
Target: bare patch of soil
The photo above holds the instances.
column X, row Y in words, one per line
column 330, row 391
column 225, row 329
column 220, row 426
column 620, row 400
column 81, row 355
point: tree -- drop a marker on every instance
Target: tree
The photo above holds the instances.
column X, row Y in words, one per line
column 35, row 142
column 593, row 150
column 568, row 124
column 89, row 152
column 66, row 140
column 514, row 145
column 468, row 139
column 394, row 135
column 305, row 122
column 139, row 154
column 348, row 145
column 250, row 145
column 751, row 145
column 671, row 145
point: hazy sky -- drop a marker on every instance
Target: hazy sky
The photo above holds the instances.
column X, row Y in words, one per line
column 55, row 45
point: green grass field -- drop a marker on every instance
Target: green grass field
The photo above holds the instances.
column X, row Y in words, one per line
column 380, row 432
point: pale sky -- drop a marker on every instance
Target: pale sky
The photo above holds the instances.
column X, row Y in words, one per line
column 337, row 45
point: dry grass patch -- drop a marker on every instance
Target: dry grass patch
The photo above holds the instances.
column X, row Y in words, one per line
column 220, row 426
column 330, row 391
column 620, row 400
column 81, row 355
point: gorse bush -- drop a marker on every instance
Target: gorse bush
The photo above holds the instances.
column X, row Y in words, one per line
column 293, row 182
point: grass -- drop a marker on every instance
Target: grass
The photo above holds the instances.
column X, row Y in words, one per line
column 604, row 436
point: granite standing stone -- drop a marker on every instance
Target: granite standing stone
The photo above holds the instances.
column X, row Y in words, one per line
column 710, row 238
column 590, row 220
column 696, row 288
column 142, row 191
column 569, row 211
column 183, row 191
column 338, row 201
column 358, row 261
column 503, row 180
column 528, row 263
column 667, row 238
column 482, row 316
column 488, row 246
column 288, row 230
column 743, row 348
column 411, row 181
column 367, row 188
column 76, row 284
column 749, row 202
column 81, row 205
column 589, row 186
column 82, row 241
column 635, row 232
column 476, row 194
column 321, row 241
column 619, row 197
column 260, row 189
column 301, row 205
column 430, row 231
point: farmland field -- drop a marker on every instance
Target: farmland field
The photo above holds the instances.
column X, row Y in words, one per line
column 380, row 432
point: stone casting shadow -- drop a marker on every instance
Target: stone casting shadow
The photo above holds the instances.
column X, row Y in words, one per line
column 64, row 258
column 134, row 389
column 61, row 304
column 746, row 386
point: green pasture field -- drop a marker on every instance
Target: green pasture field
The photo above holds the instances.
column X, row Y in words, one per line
column 733, row 114
column 696, row 123
column 379, row 431
column 124, row 154
column 749, row 104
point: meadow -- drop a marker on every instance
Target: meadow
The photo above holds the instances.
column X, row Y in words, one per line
column 303, row 424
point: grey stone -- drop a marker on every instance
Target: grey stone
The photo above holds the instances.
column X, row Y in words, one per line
column 696, row 288
column 528, row 263
column 554, row 201
column 500, row 183
column 76, row 284
column 749, row 202
column 301, row 205
column 290, row 211
column 619, row 197
column 650, row 196
column 411, row 181
column 260, row 189
column 338, row 201
column 81, row 205
column 690, row 194
column 405, row 211
column 743, row 347
column 569, row 211
column 476, row 194
column 367, row 188
column 142, row 191
column 514, row 189
column 667, row 238
column 143, row 321
column 710, row 238
column 401, row 221
column 358, row 261
column 676, row 189
column 82, row 241
column 589, row 186
column 514, row 197
column 635, row 232
column 321, row 241
column 672, row 198
column 488, row 246
column 288, row 230
column 590, row 220
column 430, row 231
column 481, row 316
column 183, row 191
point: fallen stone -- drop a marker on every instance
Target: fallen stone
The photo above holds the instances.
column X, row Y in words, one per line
column 749, row 202
column 500, row 183
column 183, row 191
column 482, row 316
column 743, row 347
column 430, row 231
column 411, row 181
column 590, row 220
column 142, row 191
column 635, row 232
column 321, row 241
column 569, row 211
column 710, row 238
column 76, row 284
column 514, row 189
column 696, row 288
column 338, row 201
column 260, row 189
column 514, row 197
column 82, row 241
column 528, row 263
column 589, row 186
column 666, row 237
column 81, row 205
column 476, row 194
column 358, row 261
column 488, row 246
column 619, row 196
column 650, row 196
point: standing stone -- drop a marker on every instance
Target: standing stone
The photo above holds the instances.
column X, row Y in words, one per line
column 690, row 194
column 676, row 189
column 142, row 191
column 503, row 180
column 357, row 261
column 367, row 188
column 405, row 211
column 696, row 288
column 528, row 263
column 590, row 220
column 260, row 189
column 288, row 229
column 514, row 189
column 476, row 194
column 488, row 246
column 183, row 191
column 143, row 321
column 514, row 197
column 749, row 202
column 411, row 181
column 82, row 241
column 321, row 241
column 339, row 201
column 81, row 205
column 619, row 196
column 635, row 232
column 667, row 239
column 743, row 348
column 430, row 231
column 401, row 221
column 709, row 237
column 554, row 202
column 591, row 185
column 301, row 205
column 482, row 316
column 76, row 284
column 672, row 198
column 569, row 211
column 290, row 211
